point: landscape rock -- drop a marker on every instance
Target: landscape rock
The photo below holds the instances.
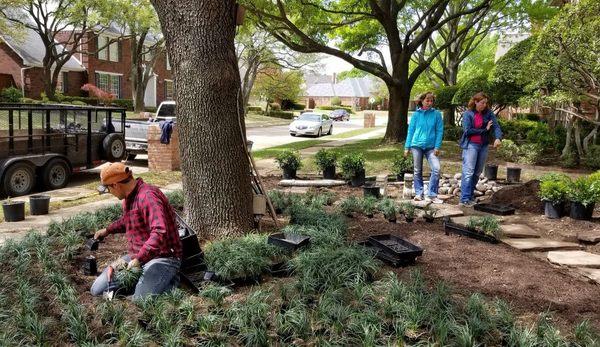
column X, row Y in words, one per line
column 457, row 176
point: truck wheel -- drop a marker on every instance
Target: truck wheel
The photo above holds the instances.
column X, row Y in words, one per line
column 113, row 147
column 18, row 180
column 55, row 174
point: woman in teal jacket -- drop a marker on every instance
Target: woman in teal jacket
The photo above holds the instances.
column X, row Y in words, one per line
column 424, row 139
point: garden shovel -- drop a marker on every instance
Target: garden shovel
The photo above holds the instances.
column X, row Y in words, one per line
column 109, row 294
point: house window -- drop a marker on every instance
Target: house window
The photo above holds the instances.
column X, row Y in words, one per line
column 169, row 90
column 168, row 62
column 108, row 51
column 109, row 83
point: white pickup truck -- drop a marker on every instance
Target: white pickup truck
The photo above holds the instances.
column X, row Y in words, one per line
column 136, row 130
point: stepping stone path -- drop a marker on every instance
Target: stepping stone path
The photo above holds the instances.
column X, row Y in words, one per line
column 575, row 259
column 519, row 231
column 589, row 237
column 593, row 274
column 541, row 245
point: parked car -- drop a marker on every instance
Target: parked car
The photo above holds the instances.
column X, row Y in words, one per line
column 44, row 144
column 311, row 124
column 136, row 136
column 340, row 115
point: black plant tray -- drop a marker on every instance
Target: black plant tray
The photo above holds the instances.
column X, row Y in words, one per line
column 501, row 210
column 458, row 229
column 395, row 246
column 195, row 280
column 387, row 258
column 290, row 242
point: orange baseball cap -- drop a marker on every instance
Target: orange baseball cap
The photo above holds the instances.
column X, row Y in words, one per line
column 113, row 173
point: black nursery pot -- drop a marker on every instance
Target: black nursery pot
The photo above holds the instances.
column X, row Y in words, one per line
column 513, row 174
column 90, row 267
column 289, row 174
column 409, row 220
column 491, row 172
column 14, row 211
column 580, row 212
column 371, row 190
column 400, row 176
column 553, row 211
column 429, row 219
column 329, row 173
column 358, row 179
column 39, row 204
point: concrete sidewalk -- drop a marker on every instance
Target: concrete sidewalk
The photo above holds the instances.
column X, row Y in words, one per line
column 17, row 230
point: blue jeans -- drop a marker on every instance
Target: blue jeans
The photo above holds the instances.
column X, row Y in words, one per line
column 159, row 275
column 434, row 164
column 474, row 157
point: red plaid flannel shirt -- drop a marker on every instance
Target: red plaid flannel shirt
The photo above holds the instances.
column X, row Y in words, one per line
column 149, row 224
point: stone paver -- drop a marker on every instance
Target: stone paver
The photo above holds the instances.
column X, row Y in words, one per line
column 517, row 231
column 541, row 245
column 592, row 274
column 418, row 204
column 589, row 237
column 311, row 183
column 575, row 258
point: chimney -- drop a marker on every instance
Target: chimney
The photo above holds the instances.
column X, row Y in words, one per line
column 333, row 79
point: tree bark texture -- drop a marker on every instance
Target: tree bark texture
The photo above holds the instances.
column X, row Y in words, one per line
column 215, row 168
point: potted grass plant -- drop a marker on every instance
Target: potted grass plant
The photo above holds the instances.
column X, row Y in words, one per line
column 326, row 161
column 409, row 211
column 369, row 206
column 289, row 161
column 14, row 211
column 402, row 165
column 388, row 208
column 349, row 206
column 353, row 167
column 429, row 213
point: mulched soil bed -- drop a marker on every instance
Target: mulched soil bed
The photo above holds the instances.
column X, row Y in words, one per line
column 530, row 284
column 521, row 196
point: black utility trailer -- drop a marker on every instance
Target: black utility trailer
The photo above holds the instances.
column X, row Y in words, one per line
column 44, row 144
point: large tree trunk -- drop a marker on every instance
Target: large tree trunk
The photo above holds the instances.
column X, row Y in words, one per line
column 397, row 126
column 49, row 84
column 452, row 78
column 215, row 167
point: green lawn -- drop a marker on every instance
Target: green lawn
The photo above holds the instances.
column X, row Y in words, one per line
column 351, row 133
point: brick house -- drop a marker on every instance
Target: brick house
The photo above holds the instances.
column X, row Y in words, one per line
column 354, row 92
column 21, row 67
column 109, row 69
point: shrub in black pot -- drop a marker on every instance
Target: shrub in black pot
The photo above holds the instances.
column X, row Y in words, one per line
column 353, row 167
column 39, row 204
column 429, row 214
column 553, row 192
column 326, row 160
column 583, row 194
column 14, row 211
column 402, row 165
column 289, row 162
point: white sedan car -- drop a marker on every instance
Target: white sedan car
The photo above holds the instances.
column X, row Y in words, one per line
column 311, row 124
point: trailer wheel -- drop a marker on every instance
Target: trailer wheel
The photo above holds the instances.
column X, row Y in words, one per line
column 19, row 179
column 113, row 147
column 55, row 174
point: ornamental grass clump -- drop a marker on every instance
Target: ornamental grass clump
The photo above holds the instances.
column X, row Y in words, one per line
column 322, row 268
column 127, row 279
column 350, row 205
column 238, row 258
